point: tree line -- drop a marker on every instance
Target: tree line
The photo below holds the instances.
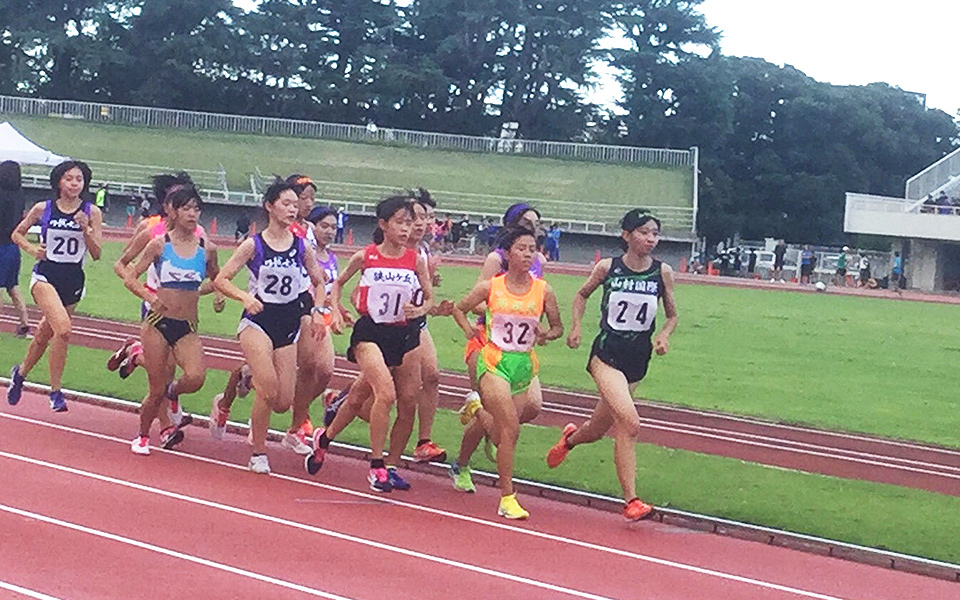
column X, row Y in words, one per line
column 778, row 149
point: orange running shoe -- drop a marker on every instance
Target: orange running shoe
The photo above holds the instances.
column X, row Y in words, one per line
column 559, row 451
column 636, row 510
column 429, row 452
column 306, row 428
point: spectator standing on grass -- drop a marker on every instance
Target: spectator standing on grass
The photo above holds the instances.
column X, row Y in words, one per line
column 779, row 254
column 342, row 219
column 864, row 267
column 11, row 211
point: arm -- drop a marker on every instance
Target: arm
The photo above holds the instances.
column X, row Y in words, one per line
column 19, row 235
column 213, row 269
column 223, row 282
column 130, row 274
column 596, row 277
column 423, row 274
column 317, row 278
column 356, row 262
column 662, row 342
column 489, row 270
column 133, row 249
column 553, row 318
column 477, row 295
column 92, row 231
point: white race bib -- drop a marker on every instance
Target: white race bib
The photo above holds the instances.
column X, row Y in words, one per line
column 279, row 285
column 385, row 302
column 514, row 333
column 65, row 246
column 627, row 311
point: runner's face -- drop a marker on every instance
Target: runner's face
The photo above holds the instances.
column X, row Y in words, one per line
column 284, row 210
column 520, row 257
column 306, row 201
column 397, row 228
column 71, row 184
column 530, row 221
column 326, row 230
column 188, row 215
column 429, row 220
column 419, row 227
column 643, row 239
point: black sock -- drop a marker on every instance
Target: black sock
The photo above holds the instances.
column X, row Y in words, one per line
column 423, row 441
column 259, row 453
column 324, row 440
column 377, row 463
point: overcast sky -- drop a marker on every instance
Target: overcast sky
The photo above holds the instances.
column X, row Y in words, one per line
column 912, row 45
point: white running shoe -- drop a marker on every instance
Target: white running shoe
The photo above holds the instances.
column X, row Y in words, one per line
column 259, row 464
column 140, row 445
column 246, row 382
column 218, row 418
column 294, row 441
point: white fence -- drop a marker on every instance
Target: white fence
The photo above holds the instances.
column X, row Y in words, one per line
column 181, row 119
column 934, row 177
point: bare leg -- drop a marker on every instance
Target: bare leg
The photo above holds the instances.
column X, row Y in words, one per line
column 57, row 333
column 430, row 376
column 407, row 383
column 378, row 375
column 156, row 351
column 18, row 304
column 499, row 402
column 307, row 375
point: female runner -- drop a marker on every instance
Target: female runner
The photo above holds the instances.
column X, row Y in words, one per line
column 382, row 341
column 70, row 227
column 182, row 259
column 270, row 326
column 507, row 364
column 632, row 285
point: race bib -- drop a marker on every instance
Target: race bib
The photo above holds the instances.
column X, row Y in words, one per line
column 385, row 302
column 65, row 246
column 279, row 285
column 514, row 333
column 628, row 311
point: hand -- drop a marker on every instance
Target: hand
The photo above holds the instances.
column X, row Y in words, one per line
column 252, row 305
column 435, row 280
column 39, row 251
column 82, row 219
column 473, row 333
column 219, row 302
column 541, row 336
column 573, row 340
column 661, row 345
column 346, row 316
column 337, row 325
column 319, row 326
column 412, row 312
column 444, row 309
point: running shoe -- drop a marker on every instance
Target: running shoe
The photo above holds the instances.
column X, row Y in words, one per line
column 470, row 407
column 170, row 437
column 218, row 418
column 294, row 441
column 397, row 482
column 113, row 363
column 259, row 464
column 330, row 413
column 511, row 509
column 462, row 480
column 429, row 452
column 23, row 331
column 314, row 461
column 57, row 403
column 129, row 364
column 140, row 445
column 635, row 510
column 489, row 449
column 379, row 480
column 246, row 382
column 559, row 451
column 16, row 386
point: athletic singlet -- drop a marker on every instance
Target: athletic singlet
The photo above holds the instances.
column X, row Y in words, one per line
column 511, row 320
column 176, row 272
column 275, row 275
column 62, row 236
column 330, row 270
column 629, row 304
column 387, row 284
column 305, row 233
column 536, row 269
column 157, row 226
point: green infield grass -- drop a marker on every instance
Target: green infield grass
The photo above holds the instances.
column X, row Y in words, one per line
column 870, row 514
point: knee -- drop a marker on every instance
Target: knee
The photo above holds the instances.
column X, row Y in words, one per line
column 630, row 428
column 385, row 396
column 406, row 409
column 60, row 329
column 193, row 380
column 431, row 376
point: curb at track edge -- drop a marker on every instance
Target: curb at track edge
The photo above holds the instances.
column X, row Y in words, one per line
column 668, row 516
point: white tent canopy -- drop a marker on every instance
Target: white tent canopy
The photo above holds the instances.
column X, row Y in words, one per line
column 13, row 146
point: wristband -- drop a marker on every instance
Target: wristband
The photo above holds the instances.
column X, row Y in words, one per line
column 323, row 310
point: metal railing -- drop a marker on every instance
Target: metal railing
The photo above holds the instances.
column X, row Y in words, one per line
column 181, row 119
column 934, row 177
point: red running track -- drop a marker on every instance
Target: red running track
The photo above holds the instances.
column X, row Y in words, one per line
column 831, row 453
column 81, row 517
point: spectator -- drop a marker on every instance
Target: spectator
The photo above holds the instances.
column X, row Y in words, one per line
column 101, row 198
column 145, row 207
column 806, row 264
column 11, row 213
column 751, row 261
column 131, row 211
column 243, row 228
column 944, row 204
column 342, row 219
column 552, row 243
column 896, row 278
column 841, row 276
column 864, row 267
column 779, row 254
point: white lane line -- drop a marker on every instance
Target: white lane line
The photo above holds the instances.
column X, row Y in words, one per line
column 172, row 553
column 25, row 592
column 305, row 527
column 225, row 351
column 457, row 516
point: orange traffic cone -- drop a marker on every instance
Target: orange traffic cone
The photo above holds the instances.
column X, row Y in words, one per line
column 683, row 264
column 129, row 221
column 213, row 226
column 350, row 237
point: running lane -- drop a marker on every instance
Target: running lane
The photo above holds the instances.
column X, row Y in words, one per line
column 331, row 534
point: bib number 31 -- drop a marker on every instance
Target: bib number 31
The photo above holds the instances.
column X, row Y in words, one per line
column 385, row 303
